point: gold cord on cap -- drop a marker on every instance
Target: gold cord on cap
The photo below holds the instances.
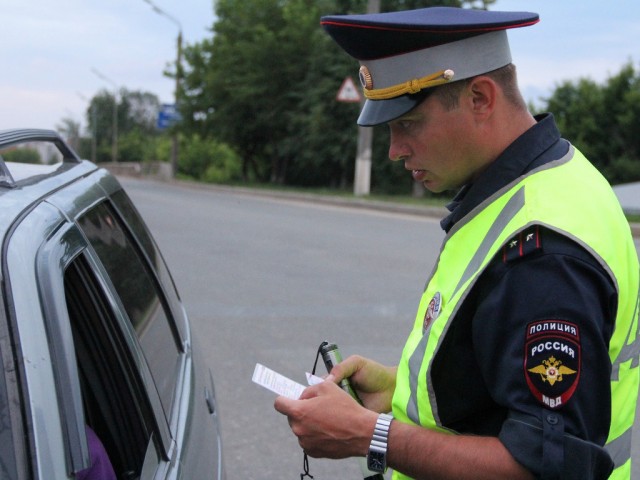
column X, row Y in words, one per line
column 410, row 86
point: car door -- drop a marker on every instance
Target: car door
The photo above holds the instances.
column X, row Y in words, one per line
column 102, row 347
column 179, row 386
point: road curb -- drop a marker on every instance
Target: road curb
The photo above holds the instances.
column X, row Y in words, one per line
column 353, row 202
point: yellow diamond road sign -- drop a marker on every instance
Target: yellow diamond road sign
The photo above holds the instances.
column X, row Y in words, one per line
column 348, row 91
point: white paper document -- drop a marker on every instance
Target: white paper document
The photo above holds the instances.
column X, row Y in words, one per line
column 280, row 384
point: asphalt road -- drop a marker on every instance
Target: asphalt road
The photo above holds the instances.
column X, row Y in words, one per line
column 267, row 280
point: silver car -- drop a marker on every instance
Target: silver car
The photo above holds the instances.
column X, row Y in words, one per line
column 93, row 334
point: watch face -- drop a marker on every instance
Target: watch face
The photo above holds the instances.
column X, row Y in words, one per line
column 376, row 462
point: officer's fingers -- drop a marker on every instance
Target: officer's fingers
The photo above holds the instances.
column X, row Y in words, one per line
column 312, row 391
column 347, row 367
column 284, row 405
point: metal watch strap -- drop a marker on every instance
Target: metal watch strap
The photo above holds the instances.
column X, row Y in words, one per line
column 377, row 456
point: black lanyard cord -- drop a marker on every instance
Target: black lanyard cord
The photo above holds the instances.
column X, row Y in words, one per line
column 305, row 458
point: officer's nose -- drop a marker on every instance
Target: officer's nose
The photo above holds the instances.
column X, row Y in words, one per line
column 397, row 150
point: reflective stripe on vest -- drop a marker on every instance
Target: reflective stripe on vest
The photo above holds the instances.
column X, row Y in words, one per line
column 601, row 229
column 619, row 442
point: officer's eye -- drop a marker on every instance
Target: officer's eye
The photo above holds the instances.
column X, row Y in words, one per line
column 403, row 124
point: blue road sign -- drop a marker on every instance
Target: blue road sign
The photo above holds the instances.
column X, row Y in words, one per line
column 167, row 116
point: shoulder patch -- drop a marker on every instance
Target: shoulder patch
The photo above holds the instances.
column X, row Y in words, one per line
column 523, row 244
column 552, row 361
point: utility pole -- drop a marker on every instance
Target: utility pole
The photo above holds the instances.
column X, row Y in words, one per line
column 174, row 136
column 362, row 180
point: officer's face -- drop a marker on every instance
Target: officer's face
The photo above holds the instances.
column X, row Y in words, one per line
column 437, row 145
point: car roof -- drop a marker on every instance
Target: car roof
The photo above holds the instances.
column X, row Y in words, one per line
column 23, row 185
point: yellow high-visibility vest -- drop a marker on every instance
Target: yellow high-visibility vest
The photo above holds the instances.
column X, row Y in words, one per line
column 568, row 196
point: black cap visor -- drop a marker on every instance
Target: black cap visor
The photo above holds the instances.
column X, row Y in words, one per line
column 377, row 112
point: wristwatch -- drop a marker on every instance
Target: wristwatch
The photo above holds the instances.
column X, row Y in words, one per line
column 377, row 456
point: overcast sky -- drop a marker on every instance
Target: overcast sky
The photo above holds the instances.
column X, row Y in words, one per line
column 50, row 49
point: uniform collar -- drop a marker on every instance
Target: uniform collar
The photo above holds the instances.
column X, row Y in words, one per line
column 537, row 146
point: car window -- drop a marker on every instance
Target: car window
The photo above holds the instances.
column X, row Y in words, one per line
column 139, row 294
column 133, row 219
column 114, row 407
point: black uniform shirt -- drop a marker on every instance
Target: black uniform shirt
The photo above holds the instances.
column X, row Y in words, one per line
column 551, row 409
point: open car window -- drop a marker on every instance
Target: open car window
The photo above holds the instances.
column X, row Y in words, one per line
column 112, row 398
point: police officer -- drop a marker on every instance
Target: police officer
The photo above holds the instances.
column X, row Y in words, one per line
column 523, row 360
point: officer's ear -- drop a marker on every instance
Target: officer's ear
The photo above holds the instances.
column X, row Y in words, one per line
column 482, row 94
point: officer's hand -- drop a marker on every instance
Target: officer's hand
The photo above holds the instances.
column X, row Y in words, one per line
column 374, row 383
column 328, row 422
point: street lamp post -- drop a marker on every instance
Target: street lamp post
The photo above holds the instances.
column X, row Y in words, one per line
column 114, row 145
column 174, row 136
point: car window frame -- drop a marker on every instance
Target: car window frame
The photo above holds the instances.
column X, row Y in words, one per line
column 54, row 256
column 136, row 226
column 33, row 227
column 52, row 259
column 59, row 211
column 101, row 187
column 115, row 343
column 102, row 219
column 165, row 286
column 133, row 346
column 12, row 450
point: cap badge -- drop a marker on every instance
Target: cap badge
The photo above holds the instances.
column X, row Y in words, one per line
column 433, row 311
column 365, row 78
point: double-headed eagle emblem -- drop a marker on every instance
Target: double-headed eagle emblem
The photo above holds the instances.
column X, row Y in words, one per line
column 552, row 370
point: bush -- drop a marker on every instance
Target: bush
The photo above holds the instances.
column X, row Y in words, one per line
column 209, row 160
column 22, row 155
column 134, row 146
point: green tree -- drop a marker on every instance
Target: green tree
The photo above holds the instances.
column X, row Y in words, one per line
column 602, row 121
column 266, row 85
column 139, row 111
column 100, row 120
column 136, row 125
column 248, row 80
column 70, row 130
